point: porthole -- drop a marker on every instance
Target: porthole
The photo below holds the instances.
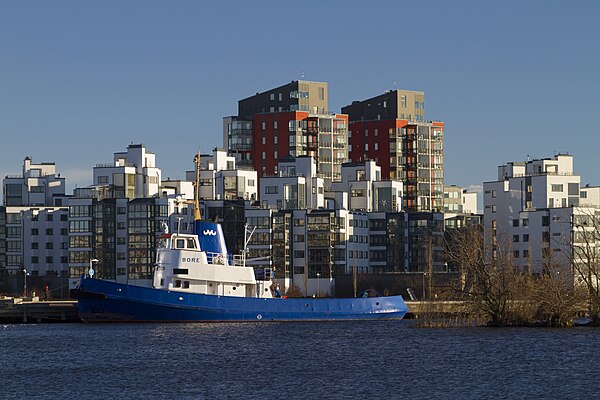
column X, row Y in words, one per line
column 210, row 285
column 377, row 303
column 234, row 288
column 266, row 290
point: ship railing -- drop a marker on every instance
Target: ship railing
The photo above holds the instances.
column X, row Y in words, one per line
column 217, row 258
column 236, row 260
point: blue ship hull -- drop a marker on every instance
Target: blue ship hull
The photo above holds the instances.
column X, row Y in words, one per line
column 105, row 301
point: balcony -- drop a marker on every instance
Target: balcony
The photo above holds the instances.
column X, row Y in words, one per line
column 240, row 147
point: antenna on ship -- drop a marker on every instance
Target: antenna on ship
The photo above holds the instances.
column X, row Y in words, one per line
column 247, row 236
column 197, row 188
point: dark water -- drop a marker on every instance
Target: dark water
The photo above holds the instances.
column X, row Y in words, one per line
column 296, row 361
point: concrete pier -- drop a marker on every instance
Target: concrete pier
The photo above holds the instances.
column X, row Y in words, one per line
column 31, row 310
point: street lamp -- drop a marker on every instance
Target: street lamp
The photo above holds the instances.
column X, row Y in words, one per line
column 24, row 282
column 423, row 286
column 318, row 284
column 91, row 271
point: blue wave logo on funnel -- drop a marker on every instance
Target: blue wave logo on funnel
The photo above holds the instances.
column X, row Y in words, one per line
column 210, row 235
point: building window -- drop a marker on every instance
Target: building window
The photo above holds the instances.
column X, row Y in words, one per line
column 49, row 231
column 557, row 188
column 494, row 208
column 49, row 217
column 321, row 93
column 264, row 157
column 515, row 223
column 103, row 179
column 403, row 101
column 545, row 220
column 493, row 194
column 272, row 96
column 275, row 124
column 526, row 237
column 516, row 254
column 49, row 245
column 264, row 125
column 546, row 237
column 264, row 140
column 525, row 253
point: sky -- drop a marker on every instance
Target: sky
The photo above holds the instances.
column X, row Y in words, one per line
column 81, row 80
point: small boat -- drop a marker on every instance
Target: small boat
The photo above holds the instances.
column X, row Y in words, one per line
column 196, row 279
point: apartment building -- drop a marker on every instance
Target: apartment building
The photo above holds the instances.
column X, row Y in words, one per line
column 221, row 178
column 133, row 174
column 297, row 185
column 367, row 191
column 391, row 129
column 531, row 213
column 292, row 119
column 34, row 221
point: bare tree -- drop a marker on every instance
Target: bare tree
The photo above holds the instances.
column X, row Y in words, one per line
column 506, row 295
column 585, row 257
column 488, row 285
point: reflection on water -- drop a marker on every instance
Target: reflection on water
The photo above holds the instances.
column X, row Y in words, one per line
column 296, row 360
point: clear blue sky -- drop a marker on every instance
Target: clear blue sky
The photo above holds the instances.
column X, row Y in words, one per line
column 80, row 80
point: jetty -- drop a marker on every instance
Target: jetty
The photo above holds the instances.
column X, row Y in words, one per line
column 32, row 310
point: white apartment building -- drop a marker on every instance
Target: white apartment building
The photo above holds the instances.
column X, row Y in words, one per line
column 133, row 174
column 297, row 185
column 220, row 179
column 39, row 185
column 35, row 221
column 458, row 200
column 367, row 192
column 529, row 212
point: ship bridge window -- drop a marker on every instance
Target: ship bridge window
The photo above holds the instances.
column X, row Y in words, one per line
column 178, row 283
column 180, row 244
column 186, row 284
column 191, row 244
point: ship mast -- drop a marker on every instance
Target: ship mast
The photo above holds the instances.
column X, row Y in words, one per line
column 197, row 188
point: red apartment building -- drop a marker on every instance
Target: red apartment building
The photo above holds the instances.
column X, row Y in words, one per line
column 292, row 119
column 391, row 129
